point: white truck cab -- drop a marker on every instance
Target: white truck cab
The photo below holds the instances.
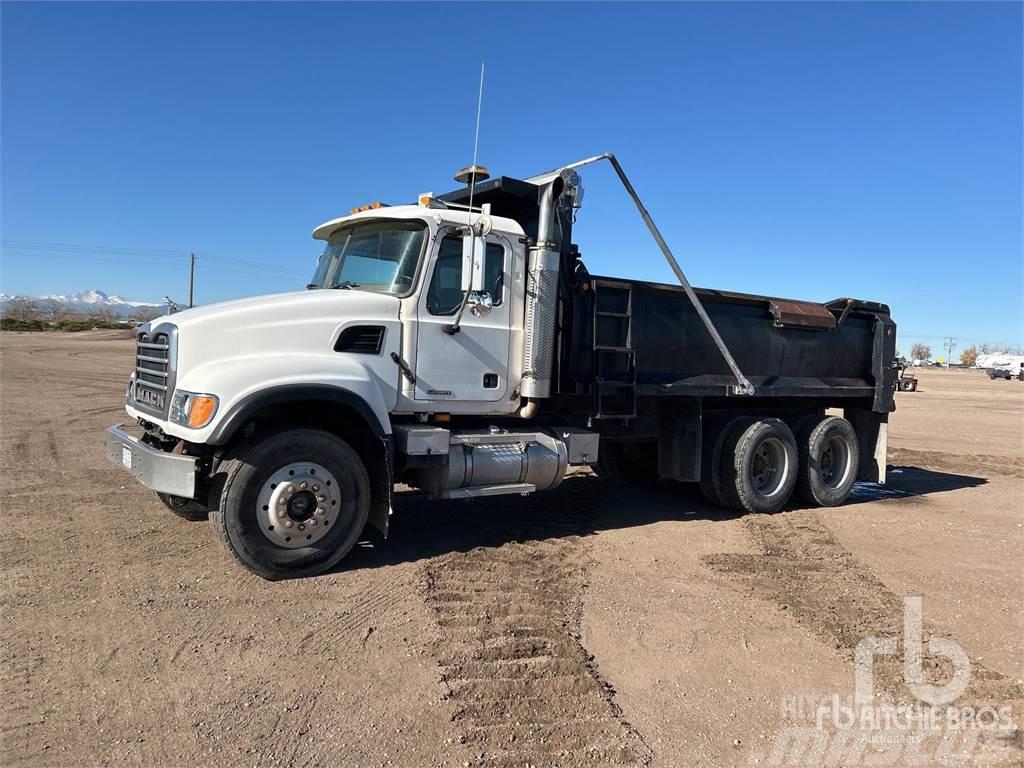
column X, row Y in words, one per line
column 386, row 285
column 415, row 314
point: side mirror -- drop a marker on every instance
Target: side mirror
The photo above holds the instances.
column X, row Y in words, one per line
column 480, row 303
column 473, row 249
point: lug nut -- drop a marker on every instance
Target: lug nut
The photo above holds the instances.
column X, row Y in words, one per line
column 291, row 489
column 313, row 523
column 302, row 484
column 316, row 488
column 302, row 527
column 321, row 498
column 282, row 512
column 287, row 523
column 282, row 500
column 319, row 510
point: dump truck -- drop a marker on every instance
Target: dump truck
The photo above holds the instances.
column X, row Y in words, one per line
column 459, row 345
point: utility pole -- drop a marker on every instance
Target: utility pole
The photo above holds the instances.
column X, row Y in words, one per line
column 191, row 278
column 950, row 346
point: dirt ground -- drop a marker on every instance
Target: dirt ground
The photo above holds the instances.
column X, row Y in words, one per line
column 586, row 626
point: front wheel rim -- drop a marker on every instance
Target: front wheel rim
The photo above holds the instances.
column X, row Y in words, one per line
column 298, row 504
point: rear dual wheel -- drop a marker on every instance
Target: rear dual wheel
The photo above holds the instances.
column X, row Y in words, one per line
column 627, row 464
column 754, row 464
column 829, row 460
column 758, row 465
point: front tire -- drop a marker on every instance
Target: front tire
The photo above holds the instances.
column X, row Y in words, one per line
column 759, row 466
column 187, row 509
column 292, row 503
column 829, row 461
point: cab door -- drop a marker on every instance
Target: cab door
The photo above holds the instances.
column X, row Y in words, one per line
column 471, row 365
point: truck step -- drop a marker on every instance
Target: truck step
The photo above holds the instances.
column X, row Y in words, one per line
column 490, row 490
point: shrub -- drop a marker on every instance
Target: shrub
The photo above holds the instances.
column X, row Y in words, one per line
column 18, row 324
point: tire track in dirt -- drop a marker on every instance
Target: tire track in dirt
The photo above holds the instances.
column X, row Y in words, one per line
column 807, row 572
column 525, row 690
column 375, row 599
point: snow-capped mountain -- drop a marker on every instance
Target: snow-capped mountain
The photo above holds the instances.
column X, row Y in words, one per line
column 84, row 301
column 94, row 298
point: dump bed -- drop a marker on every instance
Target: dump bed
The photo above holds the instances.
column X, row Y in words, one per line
column 634, row 339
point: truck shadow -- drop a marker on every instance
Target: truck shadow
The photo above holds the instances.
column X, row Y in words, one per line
column 903, row 482
column 582, row 505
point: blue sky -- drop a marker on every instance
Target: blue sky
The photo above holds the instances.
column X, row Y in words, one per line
column 808, row 150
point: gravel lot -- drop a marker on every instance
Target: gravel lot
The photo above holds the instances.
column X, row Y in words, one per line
column 586, row 626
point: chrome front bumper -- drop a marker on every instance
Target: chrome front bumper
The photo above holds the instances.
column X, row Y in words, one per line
column 157, row 470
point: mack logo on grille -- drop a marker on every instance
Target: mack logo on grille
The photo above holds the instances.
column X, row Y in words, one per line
column 153, row 375
column 149, row 397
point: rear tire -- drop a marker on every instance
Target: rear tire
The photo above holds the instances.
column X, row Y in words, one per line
column 628, row 464
column 187, row 509
column 291, row 504
column 829, row 461
column 759, row 466
column 711, row 458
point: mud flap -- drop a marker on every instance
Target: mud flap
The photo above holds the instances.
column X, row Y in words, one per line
column 382, row 483
column 873, row 435
column 679, row 440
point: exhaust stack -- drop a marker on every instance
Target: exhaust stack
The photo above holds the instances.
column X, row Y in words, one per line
column 542, row 297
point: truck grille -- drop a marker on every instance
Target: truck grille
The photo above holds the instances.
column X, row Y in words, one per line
column 153, row 371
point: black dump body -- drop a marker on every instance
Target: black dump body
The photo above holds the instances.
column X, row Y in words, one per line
column 634, row 339
column 624, row 343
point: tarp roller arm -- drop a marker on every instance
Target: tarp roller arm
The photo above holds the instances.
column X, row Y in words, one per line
column 743, row 385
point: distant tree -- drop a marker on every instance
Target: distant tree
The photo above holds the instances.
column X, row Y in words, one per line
column 103, row 314
column 22, row 308
column 52, row 311
column 921, row 352
column 145, row 314
column 969, row 357
column 999, row 349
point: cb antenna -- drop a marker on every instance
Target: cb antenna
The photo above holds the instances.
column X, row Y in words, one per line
column 453, row 327
column 476, row 140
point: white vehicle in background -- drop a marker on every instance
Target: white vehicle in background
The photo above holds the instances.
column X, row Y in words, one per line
column 999, row 365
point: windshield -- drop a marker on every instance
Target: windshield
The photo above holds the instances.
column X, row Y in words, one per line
column 379, row 256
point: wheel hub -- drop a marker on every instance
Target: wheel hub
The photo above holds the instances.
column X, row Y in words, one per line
column 827, row 464
column 297, row 505
column 768, row 467
column 835, row 462
column 302, row 506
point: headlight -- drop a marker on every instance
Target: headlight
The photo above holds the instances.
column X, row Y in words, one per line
column 192, row 410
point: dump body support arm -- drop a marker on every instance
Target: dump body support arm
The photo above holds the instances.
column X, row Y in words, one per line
column 743, row 385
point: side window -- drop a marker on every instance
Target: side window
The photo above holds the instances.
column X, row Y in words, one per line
column 445, row 292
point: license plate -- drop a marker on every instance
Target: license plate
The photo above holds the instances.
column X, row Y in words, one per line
column 126, row 456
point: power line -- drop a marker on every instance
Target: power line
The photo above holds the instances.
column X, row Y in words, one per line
column 34, row 248
column 950, row 345
column 150, row 256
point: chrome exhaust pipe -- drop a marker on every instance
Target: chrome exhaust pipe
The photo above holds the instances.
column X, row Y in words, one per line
column 542, row 299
